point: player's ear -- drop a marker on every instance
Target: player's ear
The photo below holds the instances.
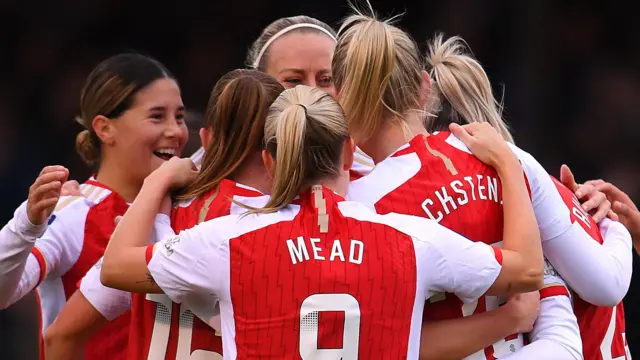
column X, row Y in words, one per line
column 205, row 137
column 269, row 163
column 104, row 129
column 347, row 154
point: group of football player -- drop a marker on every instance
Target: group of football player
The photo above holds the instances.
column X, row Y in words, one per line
column 352, row 199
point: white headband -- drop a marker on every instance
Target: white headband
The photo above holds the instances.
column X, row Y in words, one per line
column 284, row 31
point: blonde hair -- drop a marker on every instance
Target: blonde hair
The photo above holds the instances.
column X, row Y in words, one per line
column 258, row 55
column 377, row 72
column 461, row 92
column 305, row 133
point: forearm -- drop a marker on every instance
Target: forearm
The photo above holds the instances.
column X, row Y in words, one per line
column 64, row 348
column 124, row 263
column 520, row 232
column 17, row 239
column 458, row 338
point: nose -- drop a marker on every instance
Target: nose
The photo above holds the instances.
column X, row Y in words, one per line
column 172, row 128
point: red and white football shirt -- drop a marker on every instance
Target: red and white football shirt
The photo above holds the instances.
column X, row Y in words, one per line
column 325, row 277
column 436, row 177
column 76, row 237
column 602, row 327
column 160, row 328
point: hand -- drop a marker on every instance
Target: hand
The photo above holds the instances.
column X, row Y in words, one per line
column 593, row 201
column 485, row 143
column 524, row 308
column 627, row 211
column 176, row 173
column 71, row 188
column 45, row 193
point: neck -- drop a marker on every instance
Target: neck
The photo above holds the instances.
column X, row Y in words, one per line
column 118, row 179
column 254, row 174
column 338, row 185
column 393, row 134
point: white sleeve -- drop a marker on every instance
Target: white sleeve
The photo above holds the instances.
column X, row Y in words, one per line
column 193, row 265
column 550, row 210
column 19, row 270
column 109, row 302
column 162, row 228
column 600, row 274
column 555, row 334
column 449, row 262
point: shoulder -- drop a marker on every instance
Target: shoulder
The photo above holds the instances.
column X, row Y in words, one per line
column 386, row 177
column 409, row 225
column 224, row 228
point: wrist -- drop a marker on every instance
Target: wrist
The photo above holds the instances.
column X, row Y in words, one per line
column 512, row 317
column 158, row 181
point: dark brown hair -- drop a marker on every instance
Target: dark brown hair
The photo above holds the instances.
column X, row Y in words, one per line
column 236, row 114
column 109, row 91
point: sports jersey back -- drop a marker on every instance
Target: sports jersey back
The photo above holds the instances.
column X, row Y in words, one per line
column 430, row 178
column 65, row 255
column 323, row 278
column 602, row 328
column 162, row 329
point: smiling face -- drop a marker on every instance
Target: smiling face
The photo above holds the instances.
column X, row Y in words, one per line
column 302, row 58
column 152, row 130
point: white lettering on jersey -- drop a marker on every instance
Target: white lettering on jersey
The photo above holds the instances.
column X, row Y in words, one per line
column 299, row 252
column 479, row 188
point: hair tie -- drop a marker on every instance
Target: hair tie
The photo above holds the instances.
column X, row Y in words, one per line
column 303, row 108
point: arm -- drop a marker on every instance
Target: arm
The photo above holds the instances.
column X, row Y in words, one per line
column 88, row 310
column 478, row 331
column 20, row 270
column 125, row 259
column 522, row 259
column 556, row 333
column 599, row 273
column 75, row 324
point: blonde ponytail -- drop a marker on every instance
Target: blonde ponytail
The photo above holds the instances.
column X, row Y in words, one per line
column 305, row 132
column 290, row 167
column 376, row 69
column 461, row 91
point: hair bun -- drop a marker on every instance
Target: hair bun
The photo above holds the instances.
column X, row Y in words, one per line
column 86, row 149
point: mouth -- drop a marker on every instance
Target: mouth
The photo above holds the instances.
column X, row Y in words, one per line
column 165, row 153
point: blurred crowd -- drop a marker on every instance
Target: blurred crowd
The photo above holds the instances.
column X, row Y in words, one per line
column 568, row 71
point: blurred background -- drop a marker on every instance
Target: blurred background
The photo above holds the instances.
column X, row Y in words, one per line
column 568, row 69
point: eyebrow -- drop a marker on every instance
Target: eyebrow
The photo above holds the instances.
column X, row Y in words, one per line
column 162, row 108
column 300, row 71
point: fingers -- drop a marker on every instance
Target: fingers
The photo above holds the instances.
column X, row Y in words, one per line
column 461, row 133
column 53, row 168
column 44, row 206
column 59, row 176
column 602, row 210
column 567, row 178
column 612, row 215
column 71, row 188
column 584, row 191
column 622, row 210
column 595, row 182
column 615, row 194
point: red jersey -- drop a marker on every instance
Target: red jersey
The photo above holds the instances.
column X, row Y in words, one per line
column 78, row 233
column 437, row 177
column 321, row 278
column 160, row 328
column 602, row 328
